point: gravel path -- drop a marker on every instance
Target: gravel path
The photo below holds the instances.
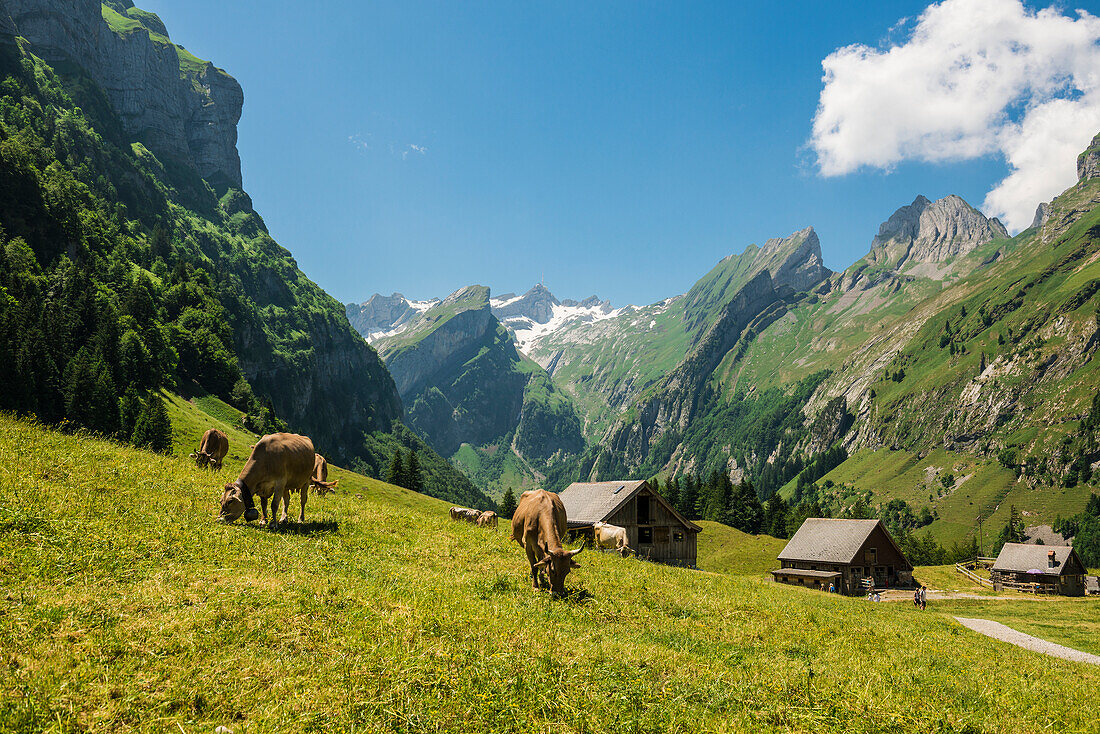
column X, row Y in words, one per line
column 999, row 631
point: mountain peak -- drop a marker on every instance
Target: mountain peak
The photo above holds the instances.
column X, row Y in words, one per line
column 537, row 304
column 932, row 231
column 1088, row 163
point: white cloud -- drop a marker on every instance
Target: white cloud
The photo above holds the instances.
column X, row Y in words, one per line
column 972, row 78
column 410, row 148
column 360, row 142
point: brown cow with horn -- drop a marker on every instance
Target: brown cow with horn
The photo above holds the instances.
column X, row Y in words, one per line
column 538, row 525
column 212, row 449
column 279, row 464
column 320, row 474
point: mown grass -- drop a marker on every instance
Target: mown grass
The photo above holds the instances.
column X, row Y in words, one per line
column 124, row 605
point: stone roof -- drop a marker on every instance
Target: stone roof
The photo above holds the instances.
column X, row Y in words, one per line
column 828, row 540
column 1021, row 558
column 591, row 502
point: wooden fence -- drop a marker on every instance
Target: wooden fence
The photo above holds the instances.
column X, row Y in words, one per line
column 966, row 570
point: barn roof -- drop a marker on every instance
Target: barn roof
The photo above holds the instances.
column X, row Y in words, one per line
column 1021, row 558
column 829, row 540
column 805, row 573
column 590, row 502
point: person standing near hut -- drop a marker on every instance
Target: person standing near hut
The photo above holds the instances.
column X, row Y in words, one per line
column 923, row 597
column 916, row 597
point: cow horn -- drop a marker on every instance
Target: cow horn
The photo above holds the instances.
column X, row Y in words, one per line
column 575, row 552
column 543, row 562
column 193, row 456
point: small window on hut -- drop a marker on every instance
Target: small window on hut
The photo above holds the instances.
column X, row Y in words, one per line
column 645, row 536
column 871, row 556
column 677, row 536
column 643, row 510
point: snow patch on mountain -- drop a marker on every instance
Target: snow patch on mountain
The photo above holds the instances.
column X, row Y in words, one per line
column 528, row 332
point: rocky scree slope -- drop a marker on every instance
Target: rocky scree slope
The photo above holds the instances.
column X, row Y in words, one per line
column 140, row 126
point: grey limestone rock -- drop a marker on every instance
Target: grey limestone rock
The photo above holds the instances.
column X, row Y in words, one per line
column 176, row 105
column 1088, row 163
column 931, row 232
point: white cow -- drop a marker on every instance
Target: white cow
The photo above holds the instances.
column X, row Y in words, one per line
column 611, row 536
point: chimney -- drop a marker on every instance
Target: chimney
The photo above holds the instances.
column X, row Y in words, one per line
column 1052, row 559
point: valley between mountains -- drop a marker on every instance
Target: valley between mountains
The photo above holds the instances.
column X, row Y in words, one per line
column 951, row 351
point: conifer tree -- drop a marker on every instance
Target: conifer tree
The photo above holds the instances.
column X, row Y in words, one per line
column 414, row 480
column 508, row 503
column 396, row 469
column 672, row 492
column 153, row 430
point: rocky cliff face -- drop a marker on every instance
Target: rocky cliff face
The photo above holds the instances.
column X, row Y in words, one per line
column 379, row 315
column 536, row 304
column 1088, row 163
column 931, row 232
column 794, row 261
column 178, row 106
column 672, row 405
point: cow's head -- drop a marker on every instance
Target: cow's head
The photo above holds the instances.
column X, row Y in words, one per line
column 202, row 459
column 558, row 564
column 237, row 501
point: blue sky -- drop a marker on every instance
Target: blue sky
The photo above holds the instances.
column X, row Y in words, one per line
column 612, row 148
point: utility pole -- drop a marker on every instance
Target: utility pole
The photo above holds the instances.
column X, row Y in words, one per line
column 979, row 539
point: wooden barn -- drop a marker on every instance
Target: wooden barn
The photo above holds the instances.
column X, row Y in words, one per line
column 655, row 530
column 849, row 554
column 1049, row 569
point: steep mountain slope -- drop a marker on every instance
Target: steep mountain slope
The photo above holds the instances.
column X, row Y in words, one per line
column 762, row 348
column 606, row 365
column 133, row 261
column 473, row 396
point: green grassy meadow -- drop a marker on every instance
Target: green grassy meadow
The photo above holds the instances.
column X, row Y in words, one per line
column 125, row 606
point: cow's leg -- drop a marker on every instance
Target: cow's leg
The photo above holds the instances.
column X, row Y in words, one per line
column 275, row 497
column 534, row 571
column 286, row 504
column 263, row 508
column 305, row 496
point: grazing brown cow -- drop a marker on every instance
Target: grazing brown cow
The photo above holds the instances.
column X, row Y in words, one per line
column 457, row 513
column 538, row 526
column 279, row 464
column 320, row 474
column 487, row 519
column 212, row 449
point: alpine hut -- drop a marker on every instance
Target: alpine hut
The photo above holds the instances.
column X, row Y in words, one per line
column 654, row 529
column 1049, row 569
column 850, row 555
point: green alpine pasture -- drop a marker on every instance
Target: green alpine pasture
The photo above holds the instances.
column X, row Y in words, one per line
column 125, row 605
column 957, row 487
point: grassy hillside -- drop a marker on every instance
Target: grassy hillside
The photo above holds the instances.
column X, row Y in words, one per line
column 125, row 605
column 727, row 550
column 957, row 487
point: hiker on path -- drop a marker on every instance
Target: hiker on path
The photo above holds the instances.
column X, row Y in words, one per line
column 923, row 597
column 916, row 598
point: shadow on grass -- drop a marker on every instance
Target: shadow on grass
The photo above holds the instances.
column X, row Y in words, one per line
column 313, row 527
column 578, row 596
